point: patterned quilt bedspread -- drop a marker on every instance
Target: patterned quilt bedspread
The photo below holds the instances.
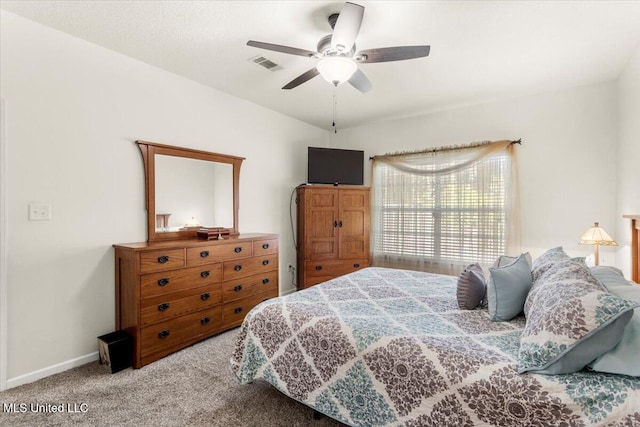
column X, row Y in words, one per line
column 390, row 347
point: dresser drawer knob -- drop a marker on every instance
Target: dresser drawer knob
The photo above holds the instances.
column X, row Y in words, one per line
column 265, row 246
column 204, row 254
column 238, row 250
column 205, row 296
column 238, row 310
column 162, row 259
column 237, row 267
column 163, row 334
column 163, row 282
column 238, row 288
column 164, row 306
column 205, row 320
column 318, row 267
column 265, row 281
column 204, row 274
column 356, row 265
column 265, row 262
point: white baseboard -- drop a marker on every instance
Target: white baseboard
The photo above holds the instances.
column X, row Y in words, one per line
column 51, row 370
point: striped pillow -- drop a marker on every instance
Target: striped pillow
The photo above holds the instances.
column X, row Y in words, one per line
column 471, row 287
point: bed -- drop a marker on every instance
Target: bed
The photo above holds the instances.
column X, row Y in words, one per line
column 391, row 347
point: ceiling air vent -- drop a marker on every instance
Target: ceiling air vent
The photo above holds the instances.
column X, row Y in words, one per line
column 266, row 63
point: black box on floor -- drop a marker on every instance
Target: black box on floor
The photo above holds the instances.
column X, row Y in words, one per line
column 116, row 350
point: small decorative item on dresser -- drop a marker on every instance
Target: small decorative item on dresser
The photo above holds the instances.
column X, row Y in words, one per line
column 193, row 224
column 213, row 233
column 162, row 222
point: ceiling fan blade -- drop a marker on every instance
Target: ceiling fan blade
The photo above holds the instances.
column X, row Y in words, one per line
column 387, row 54
column 360, row 82
column 302, row 78
column 347, row 27
column 283, row 49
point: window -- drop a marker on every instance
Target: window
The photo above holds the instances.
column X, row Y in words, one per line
column 441, row 210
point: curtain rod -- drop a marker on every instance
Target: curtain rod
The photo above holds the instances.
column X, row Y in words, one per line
column 453, row 147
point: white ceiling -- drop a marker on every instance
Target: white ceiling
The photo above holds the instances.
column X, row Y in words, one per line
column 480, row 50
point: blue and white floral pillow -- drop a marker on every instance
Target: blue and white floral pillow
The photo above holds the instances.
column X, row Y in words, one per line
column 570, row 320
column 545, row 261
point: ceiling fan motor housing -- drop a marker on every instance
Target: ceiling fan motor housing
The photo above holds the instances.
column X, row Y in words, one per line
column 333, row 18
column 324, row 48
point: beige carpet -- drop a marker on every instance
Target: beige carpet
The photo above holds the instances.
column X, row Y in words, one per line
column 194, row 387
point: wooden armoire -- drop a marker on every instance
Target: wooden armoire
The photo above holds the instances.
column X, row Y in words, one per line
column 333, row 231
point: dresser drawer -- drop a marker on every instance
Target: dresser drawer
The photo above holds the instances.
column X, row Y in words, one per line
column 152, row 285
column 216, row 253
column 265, row 246
column 233, row 312
column 161, row 260
column 246, row 286
column 165, row 307
column 333, row 269
column 249, row 266
column 173, row 332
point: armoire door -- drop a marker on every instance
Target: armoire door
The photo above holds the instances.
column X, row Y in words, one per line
column 353, row 223
column 321, row 223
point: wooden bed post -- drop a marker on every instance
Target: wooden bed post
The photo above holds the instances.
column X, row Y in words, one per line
column 635, row 247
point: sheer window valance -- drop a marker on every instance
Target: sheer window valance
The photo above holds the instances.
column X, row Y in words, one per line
column 441, row 209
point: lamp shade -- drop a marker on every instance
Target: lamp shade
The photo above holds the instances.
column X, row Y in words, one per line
column 336, row 69
column 597, row 236
column 192, row 223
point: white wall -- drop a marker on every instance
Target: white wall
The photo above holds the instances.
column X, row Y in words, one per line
column 628, row 156
column 73, row 112
column 567, row 158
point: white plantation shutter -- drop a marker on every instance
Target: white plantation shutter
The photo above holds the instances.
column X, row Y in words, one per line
column 428, row 220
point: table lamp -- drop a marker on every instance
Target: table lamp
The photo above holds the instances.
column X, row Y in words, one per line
column 596, row 236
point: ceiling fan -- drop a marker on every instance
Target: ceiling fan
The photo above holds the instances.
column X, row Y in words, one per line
column 338, row 61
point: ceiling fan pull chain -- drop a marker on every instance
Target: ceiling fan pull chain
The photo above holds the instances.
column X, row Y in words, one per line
column 335, row 110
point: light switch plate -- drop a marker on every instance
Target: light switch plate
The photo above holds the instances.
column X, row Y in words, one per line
column 39, row 212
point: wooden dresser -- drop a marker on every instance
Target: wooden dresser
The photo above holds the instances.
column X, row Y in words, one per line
column 171, row 294
column 333, row 232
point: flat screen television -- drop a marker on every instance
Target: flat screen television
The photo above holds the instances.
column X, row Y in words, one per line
column 335, row 166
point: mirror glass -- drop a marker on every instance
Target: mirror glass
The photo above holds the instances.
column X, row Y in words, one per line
column 190, row 193
column 187, row 189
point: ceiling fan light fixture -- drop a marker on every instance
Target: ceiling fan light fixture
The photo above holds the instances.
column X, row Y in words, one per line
column 336, row 69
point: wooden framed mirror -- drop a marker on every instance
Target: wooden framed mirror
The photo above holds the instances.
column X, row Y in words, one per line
column 187, row 189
